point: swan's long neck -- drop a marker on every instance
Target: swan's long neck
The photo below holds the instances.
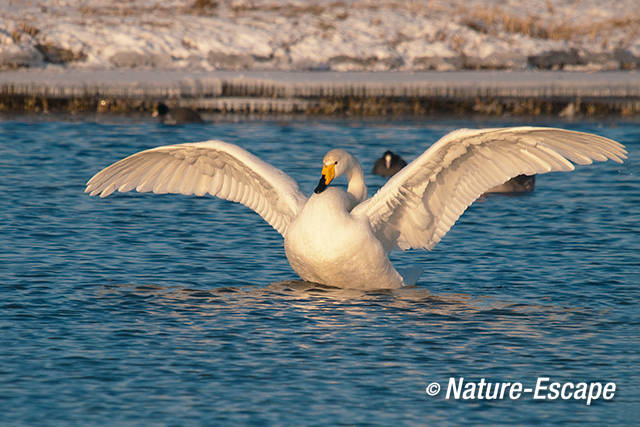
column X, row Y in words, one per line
column 357, row 188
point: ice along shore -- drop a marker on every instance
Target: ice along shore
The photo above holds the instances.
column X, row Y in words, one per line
column 324, row 92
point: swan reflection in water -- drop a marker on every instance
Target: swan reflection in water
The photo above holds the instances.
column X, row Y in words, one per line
column 324, row 306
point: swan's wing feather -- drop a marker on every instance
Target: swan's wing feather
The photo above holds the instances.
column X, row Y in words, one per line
column 419, row 204
column 213, row 167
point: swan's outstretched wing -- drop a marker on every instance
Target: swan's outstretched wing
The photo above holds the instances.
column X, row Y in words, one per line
column 213, row 167
column 418, row 205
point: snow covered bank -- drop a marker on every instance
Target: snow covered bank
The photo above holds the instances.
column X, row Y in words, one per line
column 338, row 35
column 322, row 56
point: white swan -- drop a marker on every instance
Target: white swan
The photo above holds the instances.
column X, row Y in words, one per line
column 342, row 238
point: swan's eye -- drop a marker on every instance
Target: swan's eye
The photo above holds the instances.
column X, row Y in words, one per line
column 336, row 162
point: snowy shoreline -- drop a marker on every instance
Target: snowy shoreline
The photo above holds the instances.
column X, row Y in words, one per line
column 322, row 57
column 320, row 35
column 367, row 93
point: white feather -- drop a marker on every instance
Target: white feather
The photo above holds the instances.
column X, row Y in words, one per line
column 198, row 168
column 476, row 160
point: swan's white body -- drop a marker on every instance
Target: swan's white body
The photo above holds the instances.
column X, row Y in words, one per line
column 326, row 244
column 342, row 238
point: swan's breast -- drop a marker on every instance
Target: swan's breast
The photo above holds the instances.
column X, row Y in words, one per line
column 323, row 224
column 326, row 244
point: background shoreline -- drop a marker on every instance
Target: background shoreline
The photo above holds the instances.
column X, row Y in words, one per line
column 518, row 93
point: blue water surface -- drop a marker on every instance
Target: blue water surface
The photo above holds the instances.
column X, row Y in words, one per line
column 167, row 309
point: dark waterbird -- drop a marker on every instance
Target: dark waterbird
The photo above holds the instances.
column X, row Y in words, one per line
column 176, row 116
column 388, row 165
column 518, row 184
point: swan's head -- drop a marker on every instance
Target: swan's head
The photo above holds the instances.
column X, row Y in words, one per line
column 335, row 163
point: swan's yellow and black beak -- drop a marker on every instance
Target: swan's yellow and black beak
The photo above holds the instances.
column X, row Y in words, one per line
column 328, row 173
